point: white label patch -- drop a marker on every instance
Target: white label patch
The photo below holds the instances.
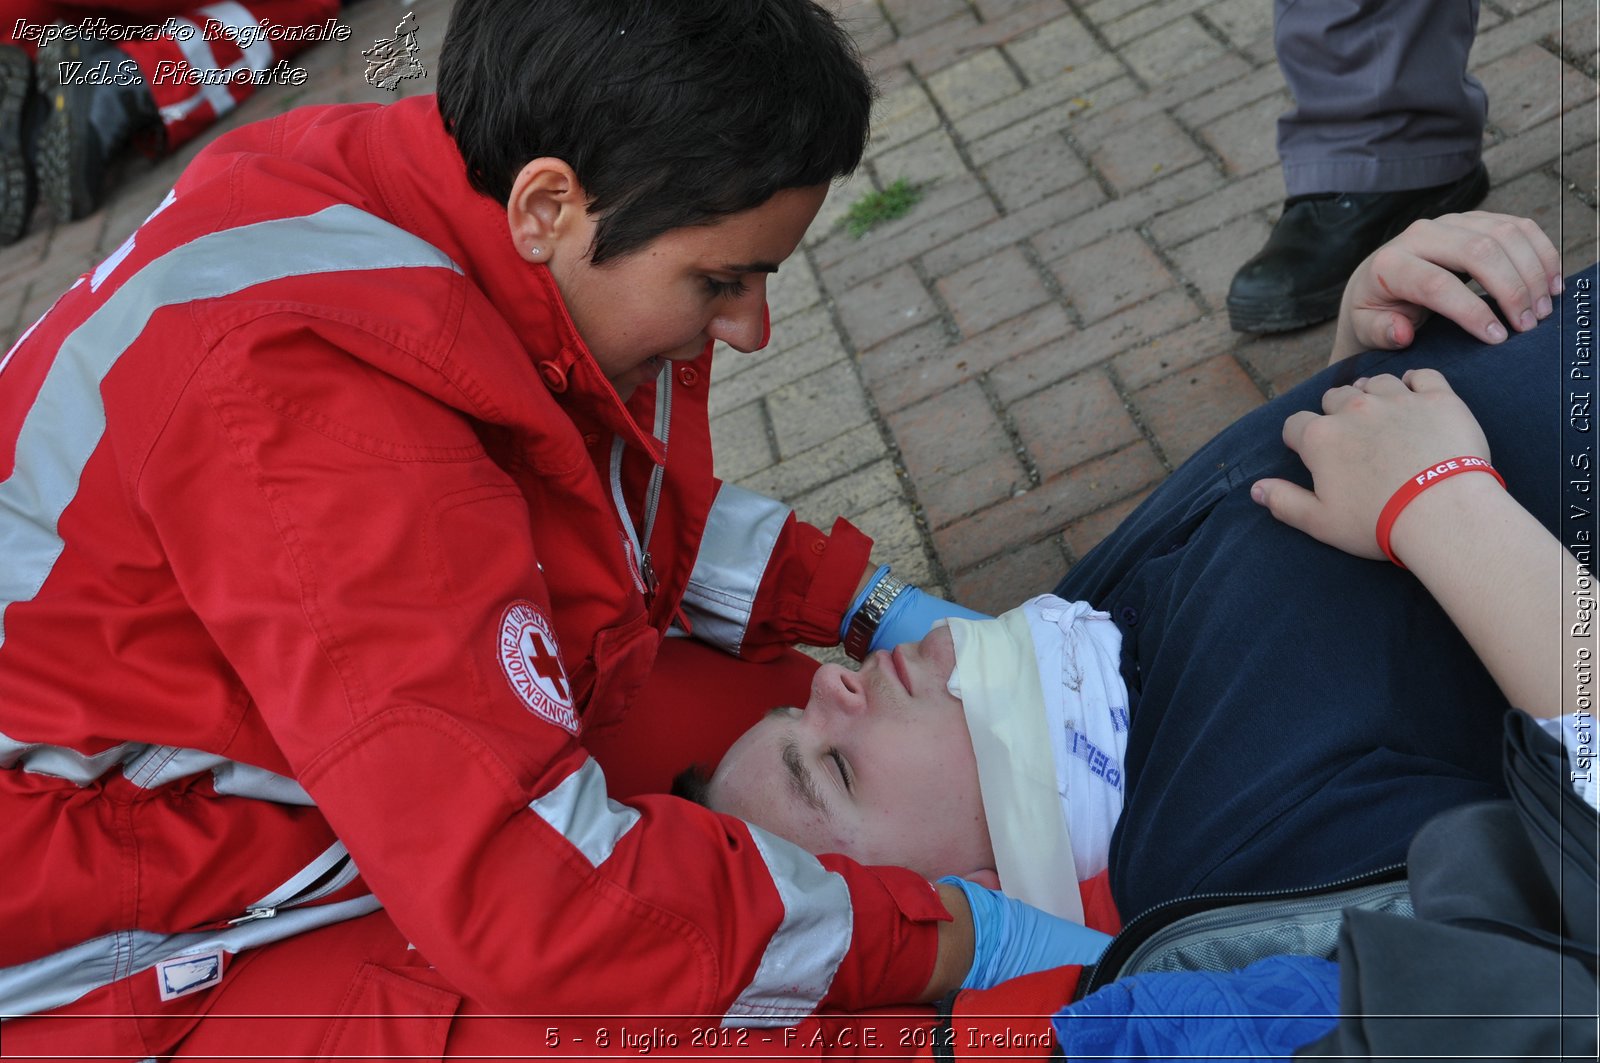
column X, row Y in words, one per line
column 182, row 975
column 532, row 663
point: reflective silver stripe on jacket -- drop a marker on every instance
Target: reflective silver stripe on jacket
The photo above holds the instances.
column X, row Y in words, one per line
column 740, row 535
column 805, row 953
column 150, row 766
column 62, row 977
column 580, row 812
column 68, row 416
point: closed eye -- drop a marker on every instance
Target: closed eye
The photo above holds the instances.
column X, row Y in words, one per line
column 838, row 762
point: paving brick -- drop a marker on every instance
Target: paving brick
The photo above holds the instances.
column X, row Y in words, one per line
column 1111, row 275
column 1145, row 152
column 1529, row 86
column 1234, row 199
column 1172, row 191
column 1578, row 171
column 1185, row 410
column 1243, row 22
column 1506, row 37
column 1055, row 48
column 1285, row 360
column 1175, row 49
column 830, row 217
column 1176, row 351
column 892, row 524
column 1146, row 20
column 947, row 209
column 842, row 454
column 1011, row 579
column 948, row 499
column 899, row 117
column 1014, row 227
column 1047, row 508
column 879, row 308
column 794, row 288
column 866, row 25
column 949, row 433
column 1070, row 422
column 739, row 441
column 1210, row 261
column 1041, row 110
column 910, row 17
column 816, row 408
column 1247, row 139
column 973, row 83
column 795, row 362
column 1039, row 368
column 788, row 335
column 1084, row 535
column 1105, row 122
column 956, row 38
column 928, row 158
column 856, row 492
column 1045, row 166
column 1534, row 148
column 992, row 290
column 1229, row 97
column 1577, row 37
column 924, row 361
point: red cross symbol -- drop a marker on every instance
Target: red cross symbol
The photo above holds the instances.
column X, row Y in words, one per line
column 547, row 665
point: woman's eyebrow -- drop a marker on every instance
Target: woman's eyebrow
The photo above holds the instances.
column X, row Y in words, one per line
column 751, row 267
column 800, row 781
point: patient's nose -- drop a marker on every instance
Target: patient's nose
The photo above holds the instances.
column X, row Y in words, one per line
column 838, row 689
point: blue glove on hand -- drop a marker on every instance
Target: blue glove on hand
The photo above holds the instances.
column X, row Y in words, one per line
column 912, row 615
column 1010, row 938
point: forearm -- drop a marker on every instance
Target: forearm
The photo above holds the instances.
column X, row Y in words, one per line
column 1499, row 575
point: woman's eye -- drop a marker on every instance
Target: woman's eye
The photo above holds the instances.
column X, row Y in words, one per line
column 838, row 762
column 722, row 289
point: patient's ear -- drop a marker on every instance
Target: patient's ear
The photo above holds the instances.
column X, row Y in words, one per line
column 984, row 877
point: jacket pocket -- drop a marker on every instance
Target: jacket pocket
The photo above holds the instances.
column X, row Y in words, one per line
column 623, row 657
column 387, row 1014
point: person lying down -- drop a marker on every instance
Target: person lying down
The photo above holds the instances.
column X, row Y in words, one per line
column 1259, row 701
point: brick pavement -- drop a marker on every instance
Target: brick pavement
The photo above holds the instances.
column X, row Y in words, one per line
column 989, row 384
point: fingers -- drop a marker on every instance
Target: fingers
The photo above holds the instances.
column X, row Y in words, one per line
column 1425, row 380
column 1289, row 503
column 1511, row 258
column 1294, row 428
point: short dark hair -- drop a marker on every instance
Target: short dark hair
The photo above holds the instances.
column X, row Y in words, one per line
column 671, row 112
column 692, row 784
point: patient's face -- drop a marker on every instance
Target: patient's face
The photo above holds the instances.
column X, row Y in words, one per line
column 878, row 766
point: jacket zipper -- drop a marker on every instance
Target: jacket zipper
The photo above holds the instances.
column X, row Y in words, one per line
column 1153, row 920
column 646, row 571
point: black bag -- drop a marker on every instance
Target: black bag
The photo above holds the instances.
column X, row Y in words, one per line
column 1500, row 959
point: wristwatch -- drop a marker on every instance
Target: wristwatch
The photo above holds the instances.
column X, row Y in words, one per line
column 865, row 620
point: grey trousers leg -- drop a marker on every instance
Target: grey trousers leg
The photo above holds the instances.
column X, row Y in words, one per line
column 1383, row 101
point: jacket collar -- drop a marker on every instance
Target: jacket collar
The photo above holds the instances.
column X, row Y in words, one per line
column 423, row 182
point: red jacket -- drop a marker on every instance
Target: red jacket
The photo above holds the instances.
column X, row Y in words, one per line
column 310, row 542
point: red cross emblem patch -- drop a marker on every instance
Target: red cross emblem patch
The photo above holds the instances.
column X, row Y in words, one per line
column 532, row 663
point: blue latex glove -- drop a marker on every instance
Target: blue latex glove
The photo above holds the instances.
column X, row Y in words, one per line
column 911, row 616
column 1011, row 938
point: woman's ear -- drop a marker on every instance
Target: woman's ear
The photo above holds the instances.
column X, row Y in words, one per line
column 548, row 211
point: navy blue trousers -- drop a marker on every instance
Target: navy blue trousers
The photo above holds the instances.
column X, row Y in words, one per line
column 1297, row 712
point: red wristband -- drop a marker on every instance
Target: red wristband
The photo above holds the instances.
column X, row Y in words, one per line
column 1419, row 483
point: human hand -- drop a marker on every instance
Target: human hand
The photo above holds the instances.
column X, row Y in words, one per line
column 1011, row 939
column 1371, row 436
column 1412, row 276
column 912, row 615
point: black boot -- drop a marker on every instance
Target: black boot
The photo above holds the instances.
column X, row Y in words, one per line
column 1298, row 278
column 97, row 102
column 18, row 120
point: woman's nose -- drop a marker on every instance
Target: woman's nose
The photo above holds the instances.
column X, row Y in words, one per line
column 742, row 324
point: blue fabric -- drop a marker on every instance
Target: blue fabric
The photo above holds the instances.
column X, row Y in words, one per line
column 1297, row 713
column 1265, row 1011
column 1010, row 938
